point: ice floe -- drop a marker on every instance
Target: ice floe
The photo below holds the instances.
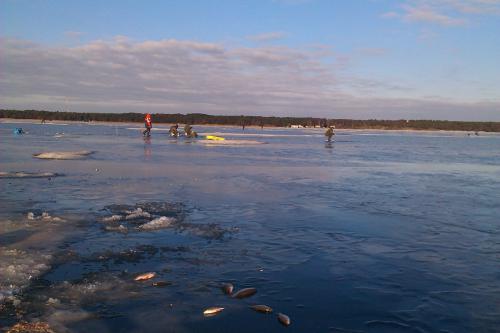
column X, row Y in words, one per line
column 153, row 216
column 120, row 228
column 44, row 217
column 158, row 223
column 113, row 218
column 22, row 174
column 138, row 213
column 64, row 155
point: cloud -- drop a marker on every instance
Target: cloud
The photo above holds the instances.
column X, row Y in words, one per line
column 444, row 12
column 372, row 51
column 268, row 36
column 429, row 14
column 122, row 75
column 73, row 34
column 491, row 7
column 391, row 15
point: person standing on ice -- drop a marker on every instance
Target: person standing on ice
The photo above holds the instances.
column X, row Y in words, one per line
column 330, row 133
column 148, row 124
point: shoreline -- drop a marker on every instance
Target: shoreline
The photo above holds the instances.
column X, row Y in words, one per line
column 165, row 125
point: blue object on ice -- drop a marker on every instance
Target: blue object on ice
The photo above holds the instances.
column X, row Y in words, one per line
column 18, row 130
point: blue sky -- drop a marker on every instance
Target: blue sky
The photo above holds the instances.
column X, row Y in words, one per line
column 359, row 59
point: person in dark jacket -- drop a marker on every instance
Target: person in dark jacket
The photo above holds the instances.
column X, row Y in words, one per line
column 330, row 133
column 174, row 130
column 188, row 131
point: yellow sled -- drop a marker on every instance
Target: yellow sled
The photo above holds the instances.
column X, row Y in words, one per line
column 215, row 138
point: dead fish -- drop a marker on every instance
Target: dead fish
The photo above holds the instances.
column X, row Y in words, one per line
column 212, row 311
column 262, row 308
column 246, row 292
column 161, row 283
column 284, row 319
column 145, row 276
column 227, row 288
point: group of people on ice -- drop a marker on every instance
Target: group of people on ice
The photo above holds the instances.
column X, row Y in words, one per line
column 173, row 131
column 189, row 133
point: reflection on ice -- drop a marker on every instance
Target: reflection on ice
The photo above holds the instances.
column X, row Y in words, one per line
column 230, row 142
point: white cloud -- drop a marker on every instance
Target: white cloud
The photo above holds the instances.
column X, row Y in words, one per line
column 173, row 76
column 444, row 12
column 268, row 36
column 391, row 15
column 429, row 14
column 73, row 34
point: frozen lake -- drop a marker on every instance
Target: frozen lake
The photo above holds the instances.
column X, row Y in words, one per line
column 378, row 232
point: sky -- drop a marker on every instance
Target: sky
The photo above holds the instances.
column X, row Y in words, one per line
column 360, row 59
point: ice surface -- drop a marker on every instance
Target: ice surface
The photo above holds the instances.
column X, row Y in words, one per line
column 376, row 231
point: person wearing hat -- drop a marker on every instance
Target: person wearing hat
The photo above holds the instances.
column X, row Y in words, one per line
column 330, row 133
column 148, row 124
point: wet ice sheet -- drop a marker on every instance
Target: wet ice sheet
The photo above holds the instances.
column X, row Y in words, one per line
column 230, row 142
column 380, row 231
column 21, row 174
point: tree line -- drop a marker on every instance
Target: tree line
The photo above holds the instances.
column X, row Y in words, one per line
column 205, row 119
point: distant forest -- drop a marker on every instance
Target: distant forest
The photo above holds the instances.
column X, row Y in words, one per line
column 204, row 119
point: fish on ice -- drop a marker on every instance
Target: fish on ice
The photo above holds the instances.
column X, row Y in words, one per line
column 227, row 288
column 212, row 311
column 145, row 276
column 284, row 319
column 262, row 308
column 246, row 292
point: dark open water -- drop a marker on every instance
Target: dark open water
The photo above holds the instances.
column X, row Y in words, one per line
column 378, row 232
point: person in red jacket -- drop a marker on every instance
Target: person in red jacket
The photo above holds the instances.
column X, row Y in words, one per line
column 148, row 124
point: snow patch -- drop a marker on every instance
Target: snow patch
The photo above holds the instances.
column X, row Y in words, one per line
column 44, row 217
column 136, row 214
column 113, row 218
column 158, row 223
